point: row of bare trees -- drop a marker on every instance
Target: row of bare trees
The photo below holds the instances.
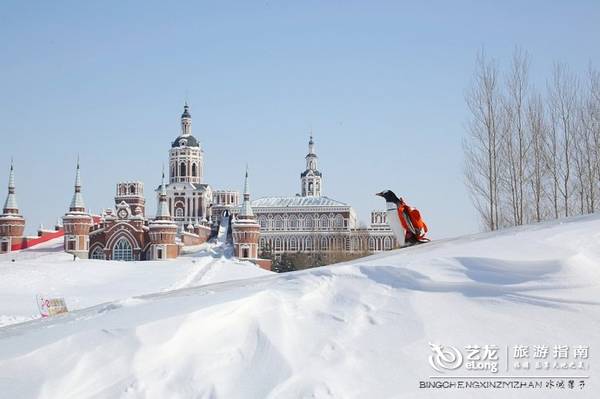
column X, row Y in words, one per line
column 531, row 154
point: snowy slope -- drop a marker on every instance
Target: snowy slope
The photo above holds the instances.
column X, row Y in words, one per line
column 355, row 330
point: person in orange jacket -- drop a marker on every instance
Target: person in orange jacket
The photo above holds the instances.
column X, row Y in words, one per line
column 405, row 221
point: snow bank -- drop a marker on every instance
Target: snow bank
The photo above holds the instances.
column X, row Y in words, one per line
column 356, row 330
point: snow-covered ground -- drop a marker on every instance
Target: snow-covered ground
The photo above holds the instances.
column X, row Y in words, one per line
column 48, row 271
column 357, row 330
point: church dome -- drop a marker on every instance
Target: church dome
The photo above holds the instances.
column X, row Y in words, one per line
column 185, row 141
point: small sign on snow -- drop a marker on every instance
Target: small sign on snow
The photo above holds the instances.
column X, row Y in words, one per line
column 51, row 306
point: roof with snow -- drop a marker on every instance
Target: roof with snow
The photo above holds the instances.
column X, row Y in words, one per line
column 297, row 201
column 77, row 200
column 11, row 197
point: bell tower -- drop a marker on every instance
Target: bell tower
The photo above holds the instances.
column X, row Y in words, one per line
column 186, row 156
column 311, row 178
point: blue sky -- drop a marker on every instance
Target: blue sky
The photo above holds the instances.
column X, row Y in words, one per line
column 381, row 84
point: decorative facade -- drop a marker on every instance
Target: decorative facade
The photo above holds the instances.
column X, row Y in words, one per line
column 12, row 224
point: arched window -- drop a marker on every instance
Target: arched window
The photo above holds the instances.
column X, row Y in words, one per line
column 310, row 187
column 324, row 224
column 339, row 221
column 324, row 244
column 293, row 244
column 371, row 244
column 194, row 171
column 293, row 222
column 309, row 244
column 308, row 223
column 182, row 169
column 132, row 189
column 178, row 212
column 122, row 250
column 278, row 223
column 277, row 244
column 263, row 222
column 387, row 243
column 97, row 253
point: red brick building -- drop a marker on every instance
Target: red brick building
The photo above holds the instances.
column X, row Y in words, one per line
column 125, row 234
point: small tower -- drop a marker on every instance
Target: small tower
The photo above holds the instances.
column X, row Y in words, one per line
column 133, row 194
column 311, row 178
column 12, row 224
column 77, row 223
column 186, row 163
column 162, row 230
column 245, row 229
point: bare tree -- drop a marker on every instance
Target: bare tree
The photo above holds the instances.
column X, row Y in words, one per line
column 529, row 157
column 562, row 101
column 515, row 143
column 588, row 144
column 482, row 145
column 536, row 175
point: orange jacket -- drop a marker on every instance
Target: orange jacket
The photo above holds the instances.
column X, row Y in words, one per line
column 417, row 225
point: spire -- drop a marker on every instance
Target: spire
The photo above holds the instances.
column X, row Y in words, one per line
column 78, row 175
column 246, row 190
column 11, row 177
column 162, row 212
column 77, row 204
column 10, row 205
column 311, row 157
column 246, row 210
column 186, row 121
column 163, row 188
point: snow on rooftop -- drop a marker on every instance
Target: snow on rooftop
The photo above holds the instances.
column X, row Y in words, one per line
column 296, row 201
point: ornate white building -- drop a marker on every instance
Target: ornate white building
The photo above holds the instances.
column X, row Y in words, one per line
column 189, row 198
column 312, row 222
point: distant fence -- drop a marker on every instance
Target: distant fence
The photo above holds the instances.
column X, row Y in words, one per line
column 43, row 236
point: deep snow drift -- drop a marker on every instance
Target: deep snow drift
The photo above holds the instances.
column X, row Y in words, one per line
column 355, row 330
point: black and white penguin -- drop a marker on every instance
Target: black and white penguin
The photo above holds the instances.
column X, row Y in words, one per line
column 393, row 217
